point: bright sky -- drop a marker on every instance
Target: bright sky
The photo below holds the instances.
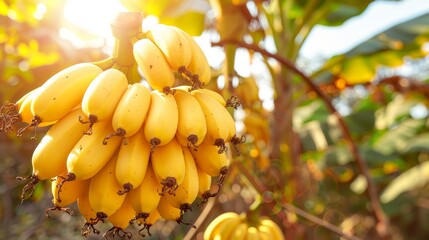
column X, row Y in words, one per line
column 327, row 41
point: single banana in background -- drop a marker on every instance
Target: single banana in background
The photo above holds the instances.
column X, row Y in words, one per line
column 162, row 119
column 132, row 163
column 173, row 45
column 240, row 232
column 274, row 228
column 63, row 92
column 187, row 191
column 131, row 110
column 90, row 154
column 208, row 159
column 265, row 233
column 153, row 65
column 103, row 189
column 146, row 197
column 192, row 126
column 168, row 164
column 252, row 233
column 103, row 95
column 227, row 228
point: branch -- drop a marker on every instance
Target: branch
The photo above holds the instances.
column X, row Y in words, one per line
column 382, row 220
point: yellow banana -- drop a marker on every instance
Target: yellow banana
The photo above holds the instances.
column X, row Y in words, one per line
column 90, row 154
column 161, row 124
column 187, row 191
column 265, row 233
column 213, row 228
column 133, row 159
column 241, row 232
column 208, row 158
column 218, row 120
column 153, row 65
column 226, row 228
column 50, row 156
column 274, row 228
column 168, row 164
column 146, row 197
column 198, row 70
column 252, row 233
column 103, row 95
column 215, row 95
column 148, row 222
column 131, row 111
column 87, row 213
column 168, row 212
column 204, row 182
column 121, row 219
column 70, row 191
column 192, row 127
column 103, row 189
column 63, row 92
column 173, row 45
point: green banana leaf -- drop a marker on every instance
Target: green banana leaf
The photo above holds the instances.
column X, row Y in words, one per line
column 387, row 48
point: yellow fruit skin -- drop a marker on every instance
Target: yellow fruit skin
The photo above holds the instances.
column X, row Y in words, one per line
column 103, row 189
column 121, row 218
column 70, row 191
column 213, row 228
column 103, row 94
column 275, row 229
column 84, row 206
column 146, row 197
column 226, row 228
column 204, row 182
column 216, row 118
column 173, row 45
column 162, row 120
column 132, row 109
column 265, row 233
column 153, row 65
column 192, row 127
column 187, row 191
column 252, row 233
column 50, row 156
column 63, row 91
column 167, row 211
column 168, row 164
column 133, row 160
column 90, row 155
column 215, row 95
column 241, row 232
column 209, row 160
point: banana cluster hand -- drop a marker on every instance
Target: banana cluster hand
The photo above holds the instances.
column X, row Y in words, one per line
column 126, row 151
column 231, row 225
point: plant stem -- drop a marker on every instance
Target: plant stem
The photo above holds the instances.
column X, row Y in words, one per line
column 383, row 224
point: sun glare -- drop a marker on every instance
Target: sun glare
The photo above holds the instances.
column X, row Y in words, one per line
column 92, row 16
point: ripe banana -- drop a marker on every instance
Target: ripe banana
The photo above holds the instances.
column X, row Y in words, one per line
column 215, row 95
column 70, row 191
column 90, row 154
column 103, row 95
column 168, row 164
column 208, row 158
column 131, row 111
column 173, row 44
column 133, row 159
column 241, row 232
column 121, row 218
column 204, row 182
column 49, row 160
column 192, row 126
column 252, row 233
column 168, row 212
column 265, row 233
column 213, row 228
column 198, row 70
column 146, row 197
column 219, row 121
column 63, row 92
column 187, row 191
column 274, row 228
column 227, row 227
column 87, row 213
column 153, row 65
column 103, row 189
column 161, row 124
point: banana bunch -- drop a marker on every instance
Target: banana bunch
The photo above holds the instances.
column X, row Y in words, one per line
column 124, row 151
column 231, row 225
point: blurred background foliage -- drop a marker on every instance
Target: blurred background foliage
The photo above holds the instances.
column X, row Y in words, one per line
column 295, row 149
